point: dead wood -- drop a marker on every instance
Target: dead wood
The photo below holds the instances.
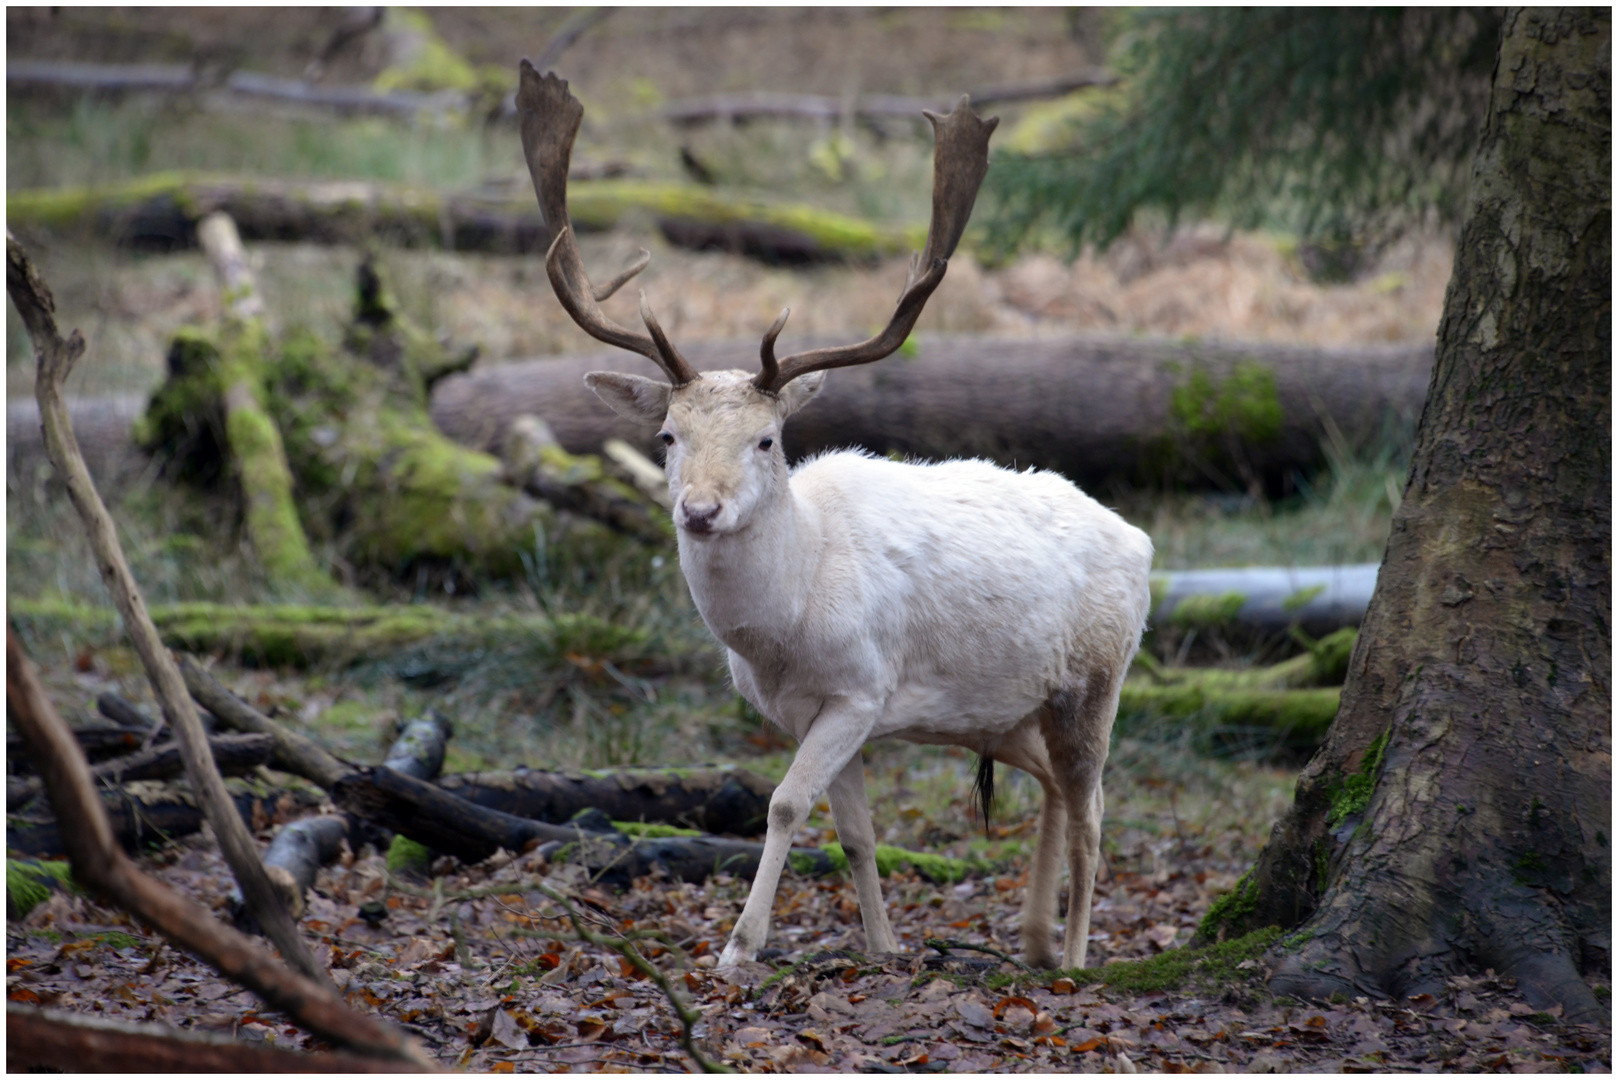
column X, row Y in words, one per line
column 294, row 859
column 718, row 800
column 294, row 753
column 252, row 441
column 766, row 104
column 536, row 462
column 449, row 824
column 163, row 213
column 234, row 754
column 55, row 358
column 101, row 867
column 98, row 743
column 419, row 749
column 437, row 819
column 54, row 1039
column 1102, row 410
column 146, row 816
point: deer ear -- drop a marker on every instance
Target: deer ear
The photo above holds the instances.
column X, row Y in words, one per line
column 800, row 391
column 633, row 397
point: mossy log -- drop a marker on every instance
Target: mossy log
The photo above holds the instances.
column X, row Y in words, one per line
column 375, row 479
column 1297, row 719
column 722, row 799
column 290, row 635
column 251, row 439
column 162, row 211
column 1294, row 701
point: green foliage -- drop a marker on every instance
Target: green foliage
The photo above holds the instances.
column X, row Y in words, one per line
column 1352, row 793
column 29, row 882
column 652, row 830
column 406, row 854
column 1327, row 121
column 940, row 869
column 1213, row 966
column 1233, row 908
column 1208, row 611
column 1244, row 405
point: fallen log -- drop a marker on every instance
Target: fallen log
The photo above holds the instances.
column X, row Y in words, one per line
column 293, row 860
column 98, row 743
column 419, row 749
column 536, row 462
column 1294, row 719
column 775, row 105
column 147, row 813
column 252, row 442
column 40, row 1040
column 1105, row 411
column 162, row 211
column 717, row 800
column 1102, row 410
column 234, row 754
column 1264, row 599
column 446, row 823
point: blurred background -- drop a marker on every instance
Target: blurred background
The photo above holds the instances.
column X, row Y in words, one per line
column 1203, row 278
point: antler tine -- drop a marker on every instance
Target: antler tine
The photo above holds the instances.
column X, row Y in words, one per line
column 766, row 352
column 550, row 118
column 960, row 161
column 680, row 371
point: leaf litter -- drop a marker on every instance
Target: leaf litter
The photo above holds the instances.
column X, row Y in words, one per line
column 484, row 965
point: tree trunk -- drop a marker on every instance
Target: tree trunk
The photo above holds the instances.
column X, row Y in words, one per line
column 1100, row 410
column 1458, row 815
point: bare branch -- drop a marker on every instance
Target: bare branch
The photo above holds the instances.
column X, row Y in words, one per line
column 101, row 866
column 55, row 358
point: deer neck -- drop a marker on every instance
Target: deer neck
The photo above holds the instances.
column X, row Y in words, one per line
column 755, row 583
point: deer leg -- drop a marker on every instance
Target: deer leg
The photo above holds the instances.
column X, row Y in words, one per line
column 851, row 813
column 833, row 739
column 1025, row 750
column 1077, row 729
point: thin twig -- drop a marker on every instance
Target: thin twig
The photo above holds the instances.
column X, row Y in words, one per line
column 944, row 945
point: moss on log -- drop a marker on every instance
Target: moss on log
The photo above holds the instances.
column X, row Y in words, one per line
column 163, row 209
column 1295, row 699
column 304, row 636
column 374, row 478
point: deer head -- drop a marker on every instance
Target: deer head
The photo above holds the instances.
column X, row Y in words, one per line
column 723, row 428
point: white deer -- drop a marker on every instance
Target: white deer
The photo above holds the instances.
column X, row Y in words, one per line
column 860, row 598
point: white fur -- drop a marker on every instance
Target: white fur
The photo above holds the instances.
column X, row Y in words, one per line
column 862, row 598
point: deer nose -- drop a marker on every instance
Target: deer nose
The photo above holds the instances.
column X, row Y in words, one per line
column 699, row 517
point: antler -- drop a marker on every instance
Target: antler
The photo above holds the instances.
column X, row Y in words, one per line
column 550, row 118
column 960, row 160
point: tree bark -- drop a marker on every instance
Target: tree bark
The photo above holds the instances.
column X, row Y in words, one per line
column 1100, row 410
column 1478, row 701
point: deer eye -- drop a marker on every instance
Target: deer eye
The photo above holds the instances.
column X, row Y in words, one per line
column 668, row 439
column 765, row 443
